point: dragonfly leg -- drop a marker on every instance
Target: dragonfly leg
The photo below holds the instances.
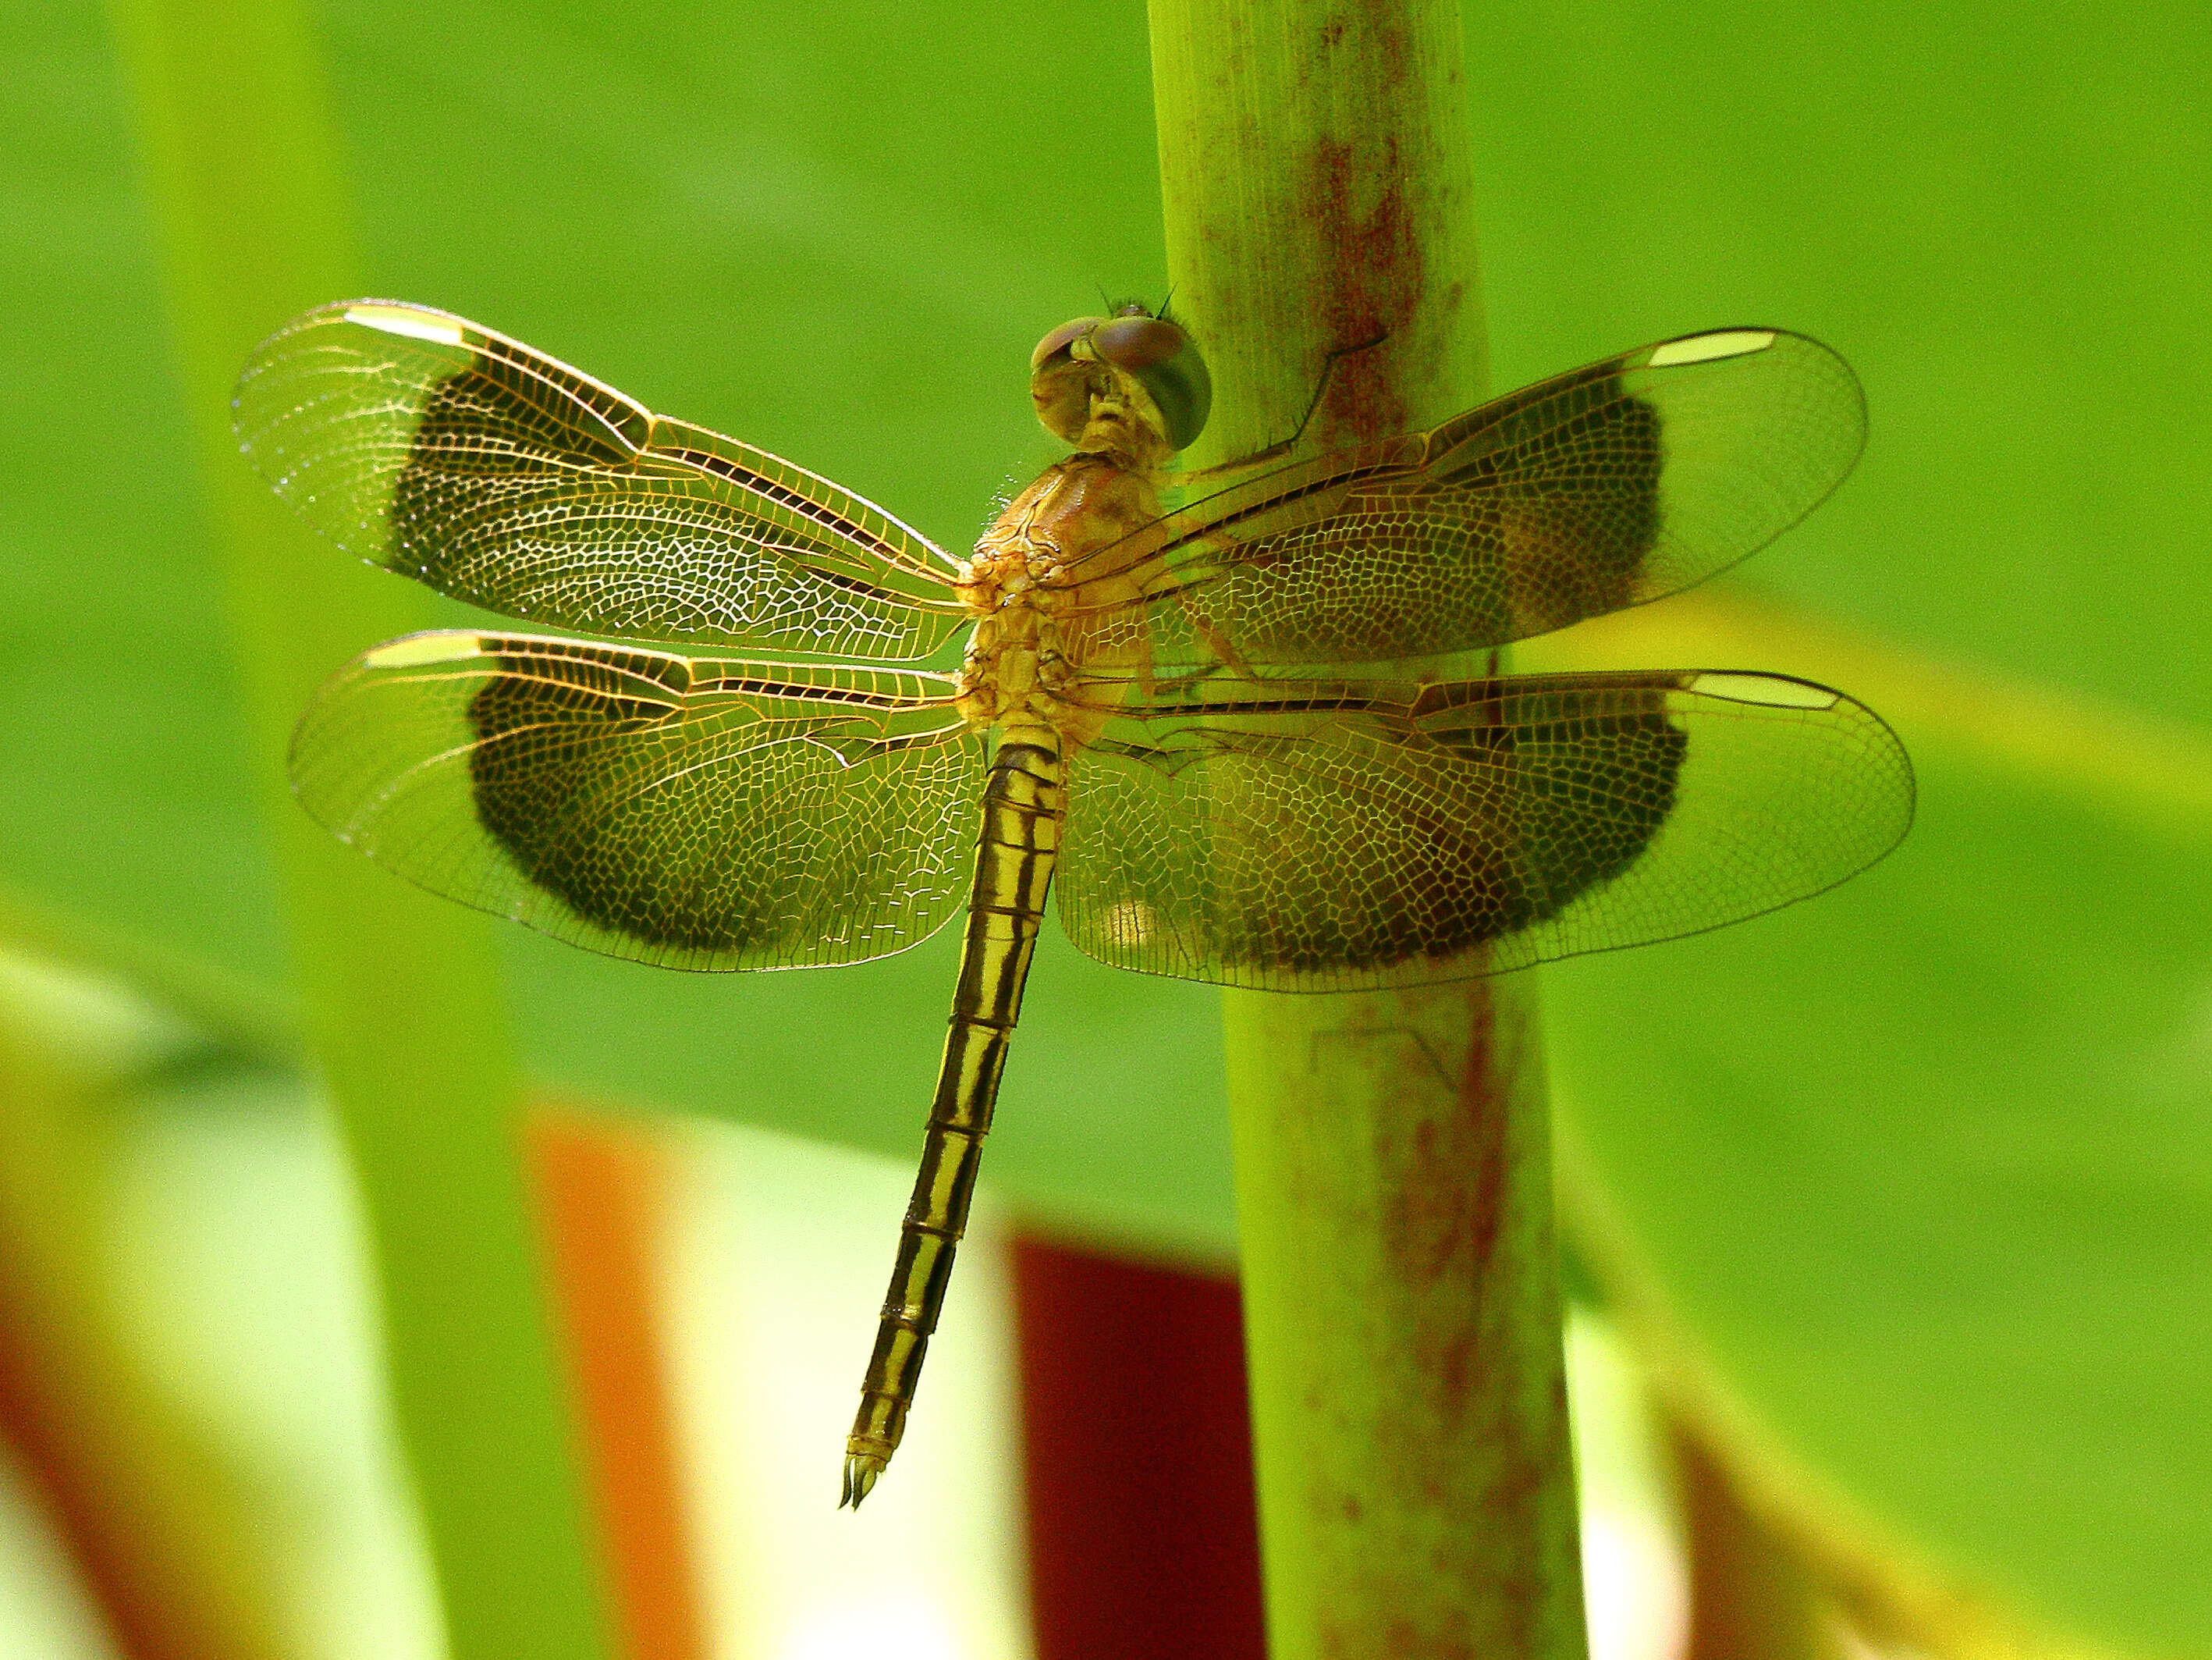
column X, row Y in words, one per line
column 1225, row 654
column 1023, row 806
column 1284, row 447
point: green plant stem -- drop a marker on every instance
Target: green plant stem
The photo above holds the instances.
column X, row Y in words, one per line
column 1393, row 1151
column 401, row 1000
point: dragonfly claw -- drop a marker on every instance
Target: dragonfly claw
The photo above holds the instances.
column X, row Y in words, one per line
column 860, row 1472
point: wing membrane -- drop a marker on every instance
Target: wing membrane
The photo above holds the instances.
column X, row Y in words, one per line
column 1311, row 837
column 697, row 813
column 457, row 456
column 1615, row 484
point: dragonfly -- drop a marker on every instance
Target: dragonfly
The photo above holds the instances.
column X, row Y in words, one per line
column 1244, row 727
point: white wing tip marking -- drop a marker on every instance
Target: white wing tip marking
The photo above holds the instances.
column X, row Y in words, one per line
column 417, row 649
column 1705, row 347
column 1770, row 689
column 406, row 320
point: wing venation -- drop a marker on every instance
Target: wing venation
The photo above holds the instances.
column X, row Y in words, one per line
column 693, row 812
column 1292, row 835
column 1610, row 486
column 493, row 473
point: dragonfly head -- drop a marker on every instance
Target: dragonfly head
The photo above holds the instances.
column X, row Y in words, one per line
column 1091, row 358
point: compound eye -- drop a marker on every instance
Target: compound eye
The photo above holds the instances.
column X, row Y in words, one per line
column 1056, row 343
column 1162, row 360
column 1137, row 343
column 1060, row 385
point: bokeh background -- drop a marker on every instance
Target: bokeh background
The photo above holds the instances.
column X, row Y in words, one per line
column 1905, row 1197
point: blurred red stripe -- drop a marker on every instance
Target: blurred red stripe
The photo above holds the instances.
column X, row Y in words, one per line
column 604, row 1185
column 1143, row 1538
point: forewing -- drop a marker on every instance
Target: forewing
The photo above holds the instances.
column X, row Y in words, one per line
column 690, row 813
column 1308, row 837
column 457, row 456
column 1618, row 484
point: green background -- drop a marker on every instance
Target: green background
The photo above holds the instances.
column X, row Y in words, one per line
column 1926, row 1167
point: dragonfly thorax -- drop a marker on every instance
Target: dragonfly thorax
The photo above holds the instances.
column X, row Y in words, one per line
column 1018, row 580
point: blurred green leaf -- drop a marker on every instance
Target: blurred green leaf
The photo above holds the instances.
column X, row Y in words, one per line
column 1924, row 1168
column 1923, row 1165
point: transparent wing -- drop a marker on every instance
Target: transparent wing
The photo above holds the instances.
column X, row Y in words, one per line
column 1310, row 838
column 686, row 812
column 1618, row 484
column 457, row 456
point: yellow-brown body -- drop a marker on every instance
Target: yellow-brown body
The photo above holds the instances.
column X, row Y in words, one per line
column 1019, row 678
